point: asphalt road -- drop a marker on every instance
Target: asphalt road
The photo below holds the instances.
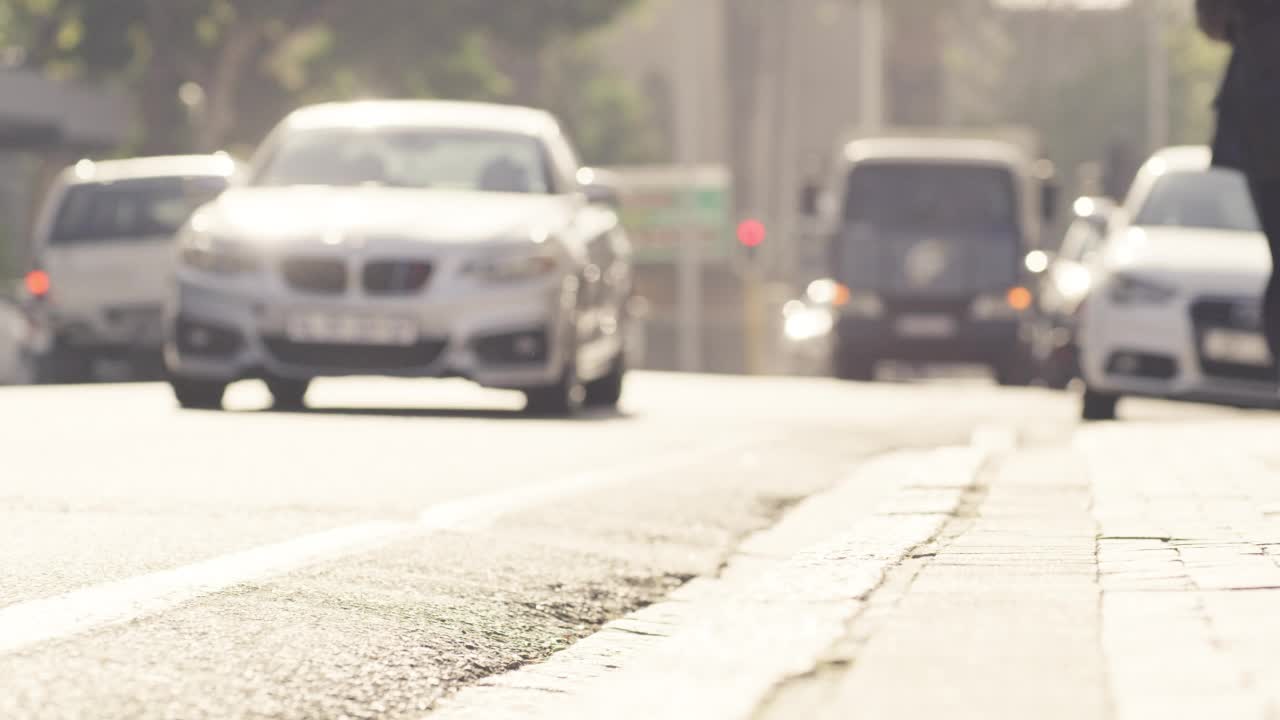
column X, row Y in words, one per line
column 402, row 540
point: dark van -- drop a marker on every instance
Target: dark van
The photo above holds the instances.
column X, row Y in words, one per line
column 928, row 245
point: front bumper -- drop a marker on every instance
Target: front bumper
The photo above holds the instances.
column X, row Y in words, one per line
column 1158, row 351
column 973, row 341
column 123, row 328
column 502, row 336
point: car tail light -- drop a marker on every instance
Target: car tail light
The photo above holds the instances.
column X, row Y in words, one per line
column 38, row 284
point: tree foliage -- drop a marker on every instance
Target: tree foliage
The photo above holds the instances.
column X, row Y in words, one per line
column 210, row 73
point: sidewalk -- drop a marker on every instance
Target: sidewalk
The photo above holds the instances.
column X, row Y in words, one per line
column 1001, row 623
column 1189, row 557
column 1135, row 574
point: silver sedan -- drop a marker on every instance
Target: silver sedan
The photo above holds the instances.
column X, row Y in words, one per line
column 412, row 239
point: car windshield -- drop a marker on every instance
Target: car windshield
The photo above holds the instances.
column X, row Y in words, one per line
column 1211, row 199
column 148, row 208
column 923, row 196
column 410, row 158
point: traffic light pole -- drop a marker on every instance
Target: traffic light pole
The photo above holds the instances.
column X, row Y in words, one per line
column 1158, row 73
column 755, row 321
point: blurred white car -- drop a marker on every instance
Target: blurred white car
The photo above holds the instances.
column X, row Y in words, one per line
column 1063, row 287
column 411, row 239
column 104, row 257
column 1175, row 307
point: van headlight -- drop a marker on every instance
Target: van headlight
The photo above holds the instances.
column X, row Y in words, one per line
column 219, row 256
column 1009, row 305
column 512, row 269
column 859, row 303
column 1129, row 290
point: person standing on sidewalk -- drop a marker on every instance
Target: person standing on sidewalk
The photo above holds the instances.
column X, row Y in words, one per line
column 1248, row 134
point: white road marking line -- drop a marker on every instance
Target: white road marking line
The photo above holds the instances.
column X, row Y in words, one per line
column 29, row 623
column 80, row 610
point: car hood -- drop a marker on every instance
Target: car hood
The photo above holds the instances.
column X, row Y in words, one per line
column 307, row 213
column 1182, row 253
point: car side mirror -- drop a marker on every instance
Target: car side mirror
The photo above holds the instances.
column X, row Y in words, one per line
column 1050, row 194
column 599, row 187
column 810, row 198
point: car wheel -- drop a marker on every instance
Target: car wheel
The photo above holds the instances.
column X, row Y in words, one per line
column 858, row 369
column 1015, row 369
column 288, row 394
column 198, row 394
column 1055, row 378
column 563, row 399
column 607, row 391
column 1014, row 374
column 1098, row 407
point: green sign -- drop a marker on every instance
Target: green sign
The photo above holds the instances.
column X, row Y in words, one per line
column 663, row 207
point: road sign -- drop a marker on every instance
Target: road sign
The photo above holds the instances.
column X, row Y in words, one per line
column 664, row 206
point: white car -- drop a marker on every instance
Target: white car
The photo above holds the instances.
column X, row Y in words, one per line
column 104, row 257
column 410, row 239
column 1175, row 306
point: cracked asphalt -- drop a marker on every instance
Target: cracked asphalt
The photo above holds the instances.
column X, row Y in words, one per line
column 102, row 485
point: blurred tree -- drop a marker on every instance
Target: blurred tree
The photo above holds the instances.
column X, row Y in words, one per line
column 212, row 72
column 611, row 121
column 1079, row 78
column 1197, row 67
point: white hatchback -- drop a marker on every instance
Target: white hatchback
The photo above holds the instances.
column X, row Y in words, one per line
column 104, row 257
column 1175, row 308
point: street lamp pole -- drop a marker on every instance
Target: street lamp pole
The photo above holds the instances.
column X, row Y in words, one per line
column 1158, row 76
column 871, row 81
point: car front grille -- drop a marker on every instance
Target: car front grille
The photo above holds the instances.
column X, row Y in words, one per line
column 1231, row 314
column 1143, row 365
column 396, row 277
column 356, row 358
column 319, row 276
column 517, row 348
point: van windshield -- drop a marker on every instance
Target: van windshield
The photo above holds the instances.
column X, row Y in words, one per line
column 937, row 197
column 151, row 208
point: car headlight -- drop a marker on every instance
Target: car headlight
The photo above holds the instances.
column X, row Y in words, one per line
column 511, row 269
column 1129, row 290
column 211, row 254
column 806, row 323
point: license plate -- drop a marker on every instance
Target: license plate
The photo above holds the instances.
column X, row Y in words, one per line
column 928, row 327
column 1236, row 346
column 351, row 329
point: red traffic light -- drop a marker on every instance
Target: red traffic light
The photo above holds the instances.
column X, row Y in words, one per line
column 751, row 233
column 37, row 282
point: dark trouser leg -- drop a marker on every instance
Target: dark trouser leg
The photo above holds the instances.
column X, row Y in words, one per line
column 1266, row 196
